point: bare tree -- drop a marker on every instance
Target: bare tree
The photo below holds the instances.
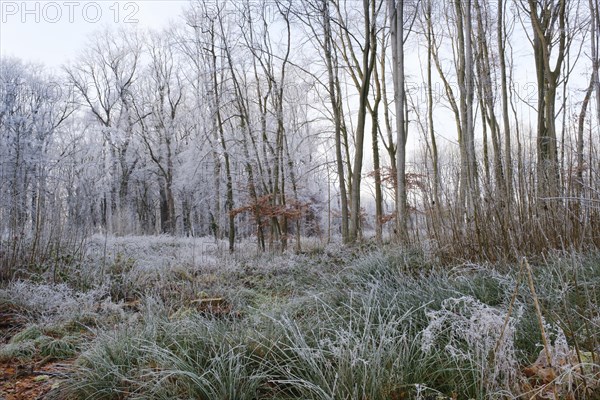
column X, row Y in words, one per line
column 548, row 20
column 335, row 97
column 469, row 185
column 369, row 50
column 104, row 77
column 160, row 122
column 31, row 113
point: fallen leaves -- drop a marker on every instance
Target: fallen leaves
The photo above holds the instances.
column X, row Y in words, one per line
column 22, row 382
column 567, row 377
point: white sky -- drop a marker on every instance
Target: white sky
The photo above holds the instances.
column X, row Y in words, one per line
column 54, row 32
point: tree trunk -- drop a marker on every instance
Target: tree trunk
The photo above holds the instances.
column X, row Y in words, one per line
column 396, row 12
column 376, row 163
column 469, row 183
column 547, row 81
column 336, row 105
column 369, row 53
column 508, row 168
column 430, row 122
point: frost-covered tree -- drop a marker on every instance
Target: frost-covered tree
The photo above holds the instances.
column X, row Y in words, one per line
column 33, row 106
column 104, row 77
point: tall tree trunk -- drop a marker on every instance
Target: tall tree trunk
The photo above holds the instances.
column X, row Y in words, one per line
column 484, row 71
column 595, row 7
column 430, row 105
column 368, row 61
column 578, row 185
column 508, row 168
column 547, row 81
column 229, row 202
column 336, row 105
column 469, row 190
column 376, row 163
column 396, row 12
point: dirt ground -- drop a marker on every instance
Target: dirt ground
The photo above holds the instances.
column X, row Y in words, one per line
column 27, row 382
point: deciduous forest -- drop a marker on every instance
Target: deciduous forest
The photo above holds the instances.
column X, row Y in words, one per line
column 307, row 199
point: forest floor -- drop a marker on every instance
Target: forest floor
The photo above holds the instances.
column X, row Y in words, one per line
column 28, row 381
column 162, row 317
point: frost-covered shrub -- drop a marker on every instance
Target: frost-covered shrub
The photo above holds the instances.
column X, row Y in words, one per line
column 176, row 269
column 481, row 337
column 47, row 302
column 155, row 252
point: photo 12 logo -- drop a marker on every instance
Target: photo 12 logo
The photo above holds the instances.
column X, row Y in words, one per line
column 54, row 12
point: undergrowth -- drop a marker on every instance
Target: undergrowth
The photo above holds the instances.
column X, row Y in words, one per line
column 328, row 324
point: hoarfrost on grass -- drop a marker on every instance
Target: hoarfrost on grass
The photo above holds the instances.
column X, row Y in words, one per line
column 158, row 252
column 469, row 330
column 55, row 302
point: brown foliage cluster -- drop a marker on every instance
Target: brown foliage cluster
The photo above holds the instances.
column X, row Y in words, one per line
column 388, row 178
column 265, row 208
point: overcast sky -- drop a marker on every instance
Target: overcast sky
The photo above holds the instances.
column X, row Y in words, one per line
column 53, row 32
